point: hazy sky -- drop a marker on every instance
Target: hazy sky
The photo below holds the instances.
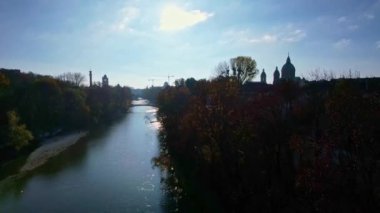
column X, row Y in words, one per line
column 134, row 40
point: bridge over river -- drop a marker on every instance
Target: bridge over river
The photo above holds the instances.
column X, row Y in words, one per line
column 141, row 102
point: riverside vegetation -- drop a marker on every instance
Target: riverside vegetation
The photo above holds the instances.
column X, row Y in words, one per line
column 34, row 107
column 280, row 148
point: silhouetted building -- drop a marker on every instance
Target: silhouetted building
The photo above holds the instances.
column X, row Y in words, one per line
column 276, row 76
column 263, row 77
column 288, row 71
column 105, row 81
column 90, row 78
column 251, row 88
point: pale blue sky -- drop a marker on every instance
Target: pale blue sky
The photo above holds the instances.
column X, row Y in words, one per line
column 134, row 40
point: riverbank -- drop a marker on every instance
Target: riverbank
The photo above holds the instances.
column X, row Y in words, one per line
column 52, row 147
column 110, row 170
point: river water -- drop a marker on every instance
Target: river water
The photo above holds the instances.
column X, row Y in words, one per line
column 109, row 171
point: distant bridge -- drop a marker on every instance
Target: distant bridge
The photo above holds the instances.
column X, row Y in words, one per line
column 141, row 102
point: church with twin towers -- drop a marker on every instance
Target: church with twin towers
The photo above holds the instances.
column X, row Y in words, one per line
column 288, row 72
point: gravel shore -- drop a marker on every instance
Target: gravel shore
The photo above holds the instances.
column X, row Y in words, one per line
column 52, row 148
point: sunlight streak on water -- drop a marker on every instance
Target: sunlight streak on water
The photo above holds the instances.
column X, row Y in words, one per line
column 109, row 172
column 151, row 118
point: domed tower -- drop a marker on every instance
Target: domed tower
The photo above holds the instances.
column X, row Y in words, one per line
column 263, row 77
column 288, row 71
column 276, row 76
column 105, row 81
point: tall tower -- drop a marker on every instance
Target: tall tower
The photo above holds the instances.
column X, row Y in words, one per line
column 276, row 76
column 263, row 77
column 90, row 73
column 105, row 81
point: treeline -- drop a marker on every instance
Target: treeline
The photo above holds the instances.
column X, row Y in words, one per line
column 151, row 93
column 282, row 148
column 33, row 107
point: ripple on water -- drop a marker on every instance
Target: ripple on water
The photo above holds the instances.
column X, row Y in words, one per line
column 146, row 186
column 155, row 125
column 154, row 110
column 151, row 119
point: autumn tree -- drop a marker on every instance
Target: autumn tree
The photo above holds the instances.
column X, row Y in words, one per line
column 18, row 135
column 4, row 82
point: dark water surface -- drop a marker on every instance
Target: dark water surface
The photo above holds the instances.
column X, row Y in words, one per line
column 109, row 171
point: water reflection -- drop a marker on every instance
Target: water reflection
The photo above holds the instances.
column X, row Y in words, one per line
column 169, row 180
column 183, row 192
column 15, row 185
column 109, row 171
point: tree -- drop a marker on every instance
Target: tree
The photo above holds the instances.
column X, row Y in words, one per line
column 179, row 82
column 243, row 68
column 191, row 83
column 75, row 111
column 73, row 78
column 78, row 78
column 43, row 113
column 4, row 84
column 222, row 69
column 317, row 75
column 18, row 135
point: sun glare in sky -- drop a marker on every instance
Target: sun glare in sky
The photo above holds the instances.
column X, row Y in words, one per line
column 175, row 18
column 135, row 40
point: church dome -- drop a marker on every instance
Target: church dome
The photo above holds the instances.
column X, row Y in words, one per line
column 288, row 71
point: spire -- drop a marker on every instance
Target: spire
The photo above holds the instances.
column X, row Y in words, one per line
column 288, row 59
column 263, row 77
column 276, row 76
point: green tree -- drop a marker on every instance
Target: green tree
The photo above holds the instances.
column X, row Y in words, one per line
column 243, row 68
column 75, row 111
column 18, row 135
column 43, row 113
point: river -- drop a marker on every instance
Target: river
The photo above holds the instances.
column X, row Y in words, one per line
column 108, row 171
